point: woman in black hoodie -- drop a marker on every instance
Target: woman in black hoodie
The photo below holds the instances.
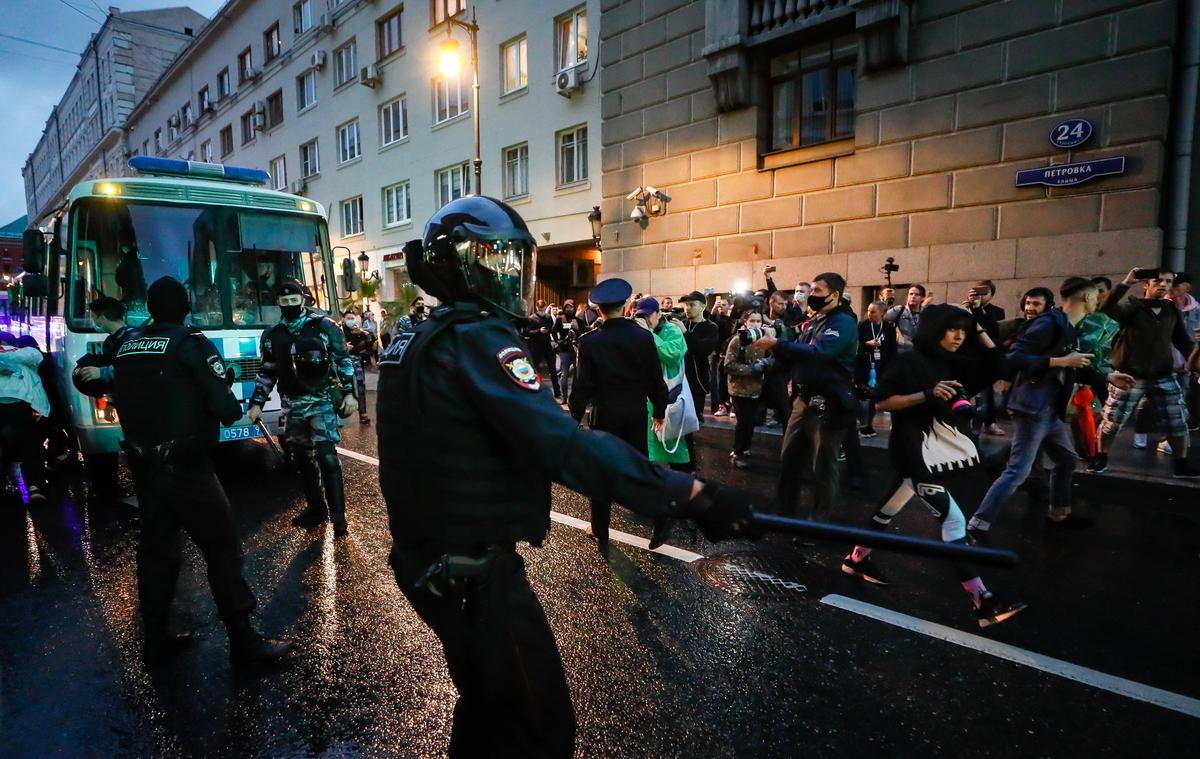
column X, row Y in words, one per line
column 927, row 390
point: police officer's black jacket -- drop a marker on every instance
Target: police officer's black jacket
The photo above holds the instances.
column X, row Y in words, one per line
column 618, row 369
column 169, row 384
column 470, row 440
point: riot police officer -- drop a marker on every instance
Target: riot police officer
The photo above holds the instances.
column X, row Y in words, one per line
column 493, row 441
column 361, row 345
column 170, row 390
column 305, row 353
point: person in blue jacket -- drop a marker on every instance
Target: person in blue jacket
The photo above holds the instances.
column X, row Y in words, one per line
column 823, row 406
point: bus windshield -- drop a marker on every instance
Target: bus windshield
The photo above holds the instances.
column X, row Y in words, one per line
column 230, row 259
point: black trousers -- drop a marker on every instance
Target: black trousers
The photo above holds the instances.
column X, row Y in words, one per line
column 629, row 425
column 747, row 412
column 178, row 498
column 20, row 441
column 513, row 699
column 810, row 452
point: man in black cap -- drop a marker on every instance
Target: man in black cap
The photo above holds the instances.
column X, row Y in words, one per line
column 617, row 372
column 306, row 354
column 170, row 390
column 702, row 338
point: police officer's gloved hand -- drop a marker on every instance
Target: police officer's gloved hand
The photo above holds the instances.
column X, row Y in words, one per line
column 723, row 512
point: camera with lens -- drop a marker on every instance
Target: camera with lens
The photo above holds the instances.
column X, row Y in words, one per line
column 961, row 404
column 890, row 267
column 747, row 335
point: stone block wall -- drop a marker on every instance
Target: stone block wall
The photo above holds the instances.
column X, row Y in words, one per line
column 937, row 144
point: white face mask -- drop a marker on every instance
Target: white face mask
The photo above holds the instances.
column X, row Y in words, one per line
column 351, row 322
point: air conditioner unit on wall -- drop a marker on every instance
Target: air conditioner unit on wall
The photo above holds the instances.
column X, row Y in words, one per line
column 317, row 60
column 252, row 74
column 260, row 115
column 583, row 273
column 297, row 187
column 370, row 76
column 325, row 22
column 566, row 82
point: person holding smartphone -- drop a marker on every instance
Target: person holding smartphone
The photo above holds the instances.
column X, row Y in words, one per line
column 1150, row 326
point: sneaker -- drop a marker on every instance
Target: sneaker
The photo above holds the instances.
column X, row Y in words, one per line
column 772, row 424
column 1098, row 464
column 721, row 411
column 994, row 429
column 865, row 569
column 1165, row 448
column 1140, row 440
column 842, row 455
column 740, row 462
column 993, row 610
column 1071, row 522
column 1185, row 469
column 36, row 495
column 867, row 432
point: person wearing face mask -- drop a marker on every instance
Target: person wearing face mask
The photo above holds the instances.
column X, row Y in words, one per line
column 360, row 343
column 703, row 337
column 565, row 337
column 305, row 354
column 824, row 408
column 1049, row 364
column 672, row 347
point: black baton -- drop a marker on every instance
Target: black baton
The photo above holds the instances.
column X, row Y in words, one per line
column 935, row 549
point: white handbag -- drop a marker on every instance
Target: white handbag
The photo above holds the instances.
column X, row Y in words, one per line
column 680, row 419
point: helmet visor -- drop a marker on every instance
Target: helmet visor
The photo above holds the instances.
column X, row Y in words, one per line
column 501, row 271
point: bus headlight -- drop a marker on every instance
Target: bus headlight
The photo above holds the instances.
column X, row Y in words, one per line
column 108, row 188
column 305, row 205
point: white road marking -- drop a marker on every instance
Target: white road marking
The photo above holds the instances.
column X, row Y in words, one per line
column 1111, row 683
column 570, row 521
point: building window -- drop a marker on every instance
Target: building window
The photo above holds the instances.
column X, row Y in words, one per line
column 272, row 43
column 393, row 121
column 572, row 156
column 306, row 90
column 145, row 147
column 516, row 171
column 278, row 172
column 249, row 128
column 310, row 159
column 185, row 114
column 352, row 216
column 344, row 62
column 570, row 38
column 440, row 10
column 158, row 142
column 223, row 84
column 397, row 206
column 302, row 16
column 226, row 140
column 245, row 66
column 349, row 146
column 387, row 34
column 274, row 109
column 206, row 153
column 513, row 60
column 449, row 98
column 203, row 100
column 452, row 183
column 172, row 129
column 812, row 94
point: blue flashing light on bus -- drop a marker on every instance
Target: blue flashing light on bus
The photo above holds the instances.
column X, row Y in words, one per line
column 177, row 167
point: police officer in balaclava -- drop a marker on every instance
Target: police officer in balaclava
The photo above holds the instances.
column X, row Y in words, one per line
column 493, row 439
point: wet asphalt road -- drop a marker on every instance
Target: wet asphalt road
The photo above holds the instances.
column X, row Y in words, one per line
column 659, row 663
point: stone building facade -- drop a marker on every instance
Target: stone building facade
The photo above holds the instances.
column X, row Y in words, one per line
column 342, row 101
column 82, row 137
column 819, row 135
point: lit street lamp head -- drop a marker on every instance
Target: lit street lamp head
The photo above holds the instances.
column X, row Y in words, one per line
column 450, row 60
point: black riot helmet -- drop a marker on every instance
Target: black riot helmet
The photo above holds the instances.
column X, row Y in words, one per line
column 311, row 362
column 476, row 249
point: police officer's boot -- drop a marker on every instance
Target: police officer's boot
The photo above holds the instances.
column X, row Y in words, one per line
column 247, row 644
column 310, row 476
column 160, row 643
column 335, row 488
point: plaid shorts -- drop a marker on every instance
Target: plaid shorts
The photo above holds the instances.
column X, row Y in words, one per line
column 1164, row 400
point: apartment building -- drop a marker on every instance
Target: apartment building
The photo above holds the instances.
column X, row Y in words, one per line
column 950, row 135
column 83, row 135
column 343, row 101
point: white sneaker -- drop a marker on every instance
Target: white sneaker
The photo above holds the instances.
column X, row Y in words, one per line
column 1165, row 448
column 1139, row 440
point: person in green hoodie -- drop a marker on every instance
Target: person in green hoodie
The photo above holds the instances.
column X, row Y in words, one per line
column 672, row 346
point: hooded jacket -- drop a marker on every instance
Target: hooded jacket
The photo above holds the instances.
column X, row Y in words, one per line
column 822, row 357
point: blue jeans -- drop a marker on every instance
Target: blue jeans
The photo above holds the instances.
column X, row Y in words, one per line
column 565, row 362
column 1030, row 433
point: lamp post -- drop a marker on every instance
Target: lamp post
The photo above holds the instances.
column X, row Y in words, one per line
column 594, row 220
column 451, row 64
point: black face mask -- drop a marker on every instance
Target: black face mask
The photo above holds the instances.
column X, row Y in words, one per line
column 569, row 312
column 291, row 313
column 419, row 309
column 818, row 302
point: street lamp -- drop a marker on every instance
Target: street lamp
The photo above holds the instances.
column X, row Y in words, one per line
column 594, row 220
column 450, row 63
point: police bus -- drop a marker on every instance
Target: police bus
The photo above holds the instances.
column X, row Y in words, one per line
column 212, row 227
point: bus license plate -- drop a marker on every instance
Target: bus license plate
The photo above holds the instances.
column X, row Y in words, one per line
column 240, row 433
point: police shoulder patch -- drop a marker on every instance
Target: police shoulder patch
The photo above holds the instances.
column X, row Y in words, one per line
column 217, row 366
column 518, row 368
